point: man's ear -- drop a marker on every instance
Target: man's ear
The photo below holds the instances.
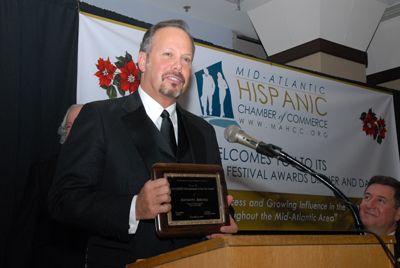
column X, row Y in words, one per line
column 142, row 61
column 397, row 216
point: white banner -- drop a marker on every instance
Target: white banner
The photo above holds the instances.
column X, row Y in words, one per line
column 342, row 130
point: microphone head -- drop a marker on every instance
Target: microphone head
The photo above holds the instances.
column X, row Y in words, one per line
column 231, row 132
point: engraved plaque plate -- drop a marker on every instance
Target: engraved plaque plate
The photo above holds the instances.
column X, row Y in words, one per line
column 199, row 204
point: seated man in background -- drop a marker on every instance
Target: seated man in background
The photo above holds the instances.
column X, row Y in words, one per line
column 380, row 208
column 35, row 240
column 68, row 121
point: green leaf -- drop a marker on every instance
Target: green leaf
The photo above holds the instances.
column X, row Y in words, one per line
column 122, row 92
column 117, row 83
column 111, row 92
column 120, row 59
column 128, row 56
column 119, row 64
column 118, row 78
column 373, row 115
column 363, row 115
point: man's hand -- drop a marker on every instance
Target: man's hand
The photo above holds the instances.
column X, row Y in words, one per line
column 153, row 199
column 226, row 230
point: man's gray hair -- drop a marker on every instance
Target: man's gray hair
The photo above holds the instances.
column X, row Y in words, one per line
column 147, row 40
column 388, row 181
column 62, row 129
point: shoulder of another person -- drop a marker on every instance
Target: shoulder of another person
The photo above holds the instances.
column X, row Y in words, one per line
column 192, row 117
column 107, row 102
column 199, row 122
column 104, row 105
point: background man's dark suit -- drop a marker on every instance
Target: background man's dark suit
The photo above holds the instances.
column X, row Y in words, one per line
column 112, row 147
column 397, row 246
column 35, row 239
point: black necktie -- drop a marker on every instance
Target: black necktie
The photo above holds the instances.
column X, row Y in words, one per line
column 167, row 130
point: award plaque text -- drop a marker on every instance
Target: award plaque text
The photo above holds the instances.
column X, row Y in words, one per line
column 199, row 200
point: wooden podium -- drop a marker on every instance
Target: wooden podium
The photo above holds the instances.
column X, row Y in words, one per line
column 278, row 251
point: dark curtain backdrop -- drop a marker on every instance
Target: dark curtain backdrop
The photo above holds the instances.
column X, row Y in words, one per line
column 38, row 56
column 38, row 70
column 38, row 65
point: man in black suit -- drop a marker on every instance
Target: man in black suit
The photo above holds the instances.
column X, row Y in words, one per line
column 380, row 208
column 103, row 179
column 35, row 239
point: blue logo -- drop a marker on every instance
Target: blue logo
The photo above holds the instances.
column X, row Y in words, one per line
column 215, row 96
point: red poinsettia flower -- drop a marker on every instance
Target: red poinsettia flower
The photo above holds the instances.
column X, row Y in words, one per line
column 369, row 125
column 106, row 72
column 129, row 77
column 381, row 127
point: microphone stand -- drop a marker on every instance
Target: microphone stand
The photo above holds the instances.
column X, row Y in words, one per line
column 271, row 150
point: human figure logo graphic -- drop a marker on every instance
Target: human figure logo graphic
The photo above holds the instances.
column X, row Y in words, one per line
column 223, row 86
column 207, row 92
column 214, row 95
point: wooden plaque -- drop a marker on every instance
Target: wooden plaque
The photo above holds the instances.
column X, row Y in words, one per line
column 199, row 200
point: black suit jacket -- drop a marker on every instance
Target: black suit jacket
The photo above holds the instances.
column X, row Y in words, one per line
column 106, row 160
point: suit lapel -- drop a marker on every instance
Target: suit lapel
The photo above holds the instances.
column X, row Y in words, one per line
column 183, row 142
column 141, row 129
column 145, row 135
column 195, row 138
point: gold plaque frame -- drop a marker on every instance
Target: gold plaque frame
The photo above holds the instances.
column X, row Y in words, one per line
column 199, row 200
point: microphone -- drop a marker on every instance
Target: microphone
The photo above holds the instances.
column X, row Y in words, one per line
column 234, row 134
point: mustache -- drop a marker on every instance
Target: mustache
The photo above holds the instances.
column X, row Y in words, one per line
column 177, row 74
column 370, row 211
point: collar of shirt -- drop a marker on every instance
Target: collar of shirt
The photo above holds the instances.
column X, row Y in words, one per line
column 154, row 110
